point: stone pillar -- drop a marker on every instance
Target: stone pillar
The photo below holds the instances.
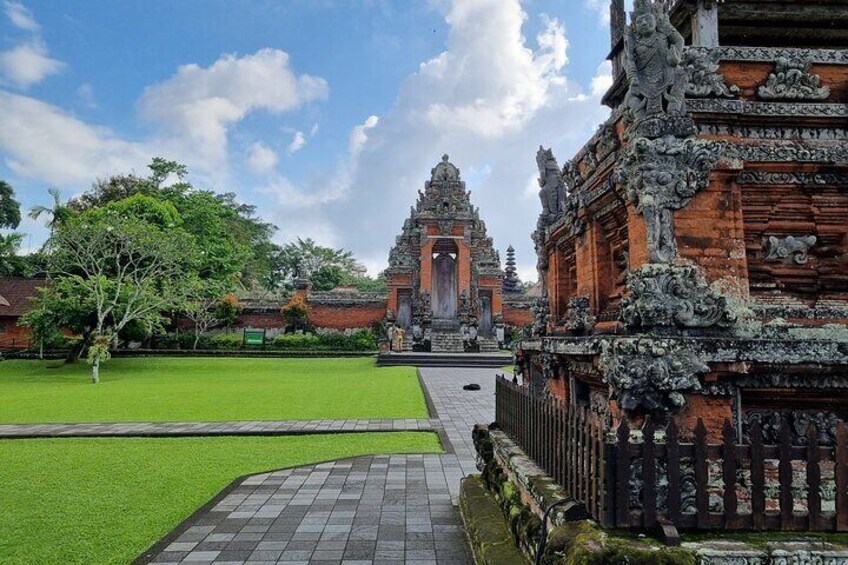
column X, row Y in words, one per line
column 463, row 267
column 302, row 287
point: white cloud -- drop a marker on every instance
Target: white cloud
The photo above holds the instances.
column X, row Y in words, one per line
column 602, row 80
column 20, row 16
column 261, row 158
column 297, row 142
column 200, row 104
column 28, row 64
column 488, row 100
column 41, row 141
column 314, row 130
column 602, row 7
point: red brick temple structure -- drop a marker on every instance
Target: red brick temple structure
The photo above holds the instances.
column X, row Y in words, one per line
column 446, row 288
column 695, row 250
column 445, row 279
column 688, row 368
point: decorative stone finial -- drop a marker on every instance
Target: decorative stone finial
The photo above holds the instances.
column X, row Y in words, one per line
column 444, row 171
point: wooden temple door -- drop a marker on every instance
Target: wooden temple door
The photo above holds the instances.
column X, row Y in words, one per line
column 485, row 321
column 404, row 314
column 444, row 297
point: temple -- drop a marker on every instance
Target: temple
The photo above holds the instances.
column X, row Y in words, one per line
column 694, row 251
column 688, row 369
column 445, row 279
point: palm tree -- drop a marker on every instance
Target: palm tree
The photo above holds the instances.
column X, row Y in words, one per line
column 58, row 212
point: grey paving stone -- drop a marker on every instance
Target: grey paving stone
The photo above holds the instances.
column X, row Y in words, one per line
column 368, row 510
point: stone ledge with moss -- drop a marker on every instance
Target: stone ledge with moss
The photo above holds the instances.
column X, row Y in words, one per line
column 522, row 491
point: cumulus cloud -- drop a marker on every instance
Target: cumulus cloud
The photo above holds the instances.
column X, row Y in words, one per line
column 41, row 141
column 488, row 100
column 20, row 16
column 261, row 158
column 602, row 80
column 297, row 142
column 29, row 62
column 200, row 104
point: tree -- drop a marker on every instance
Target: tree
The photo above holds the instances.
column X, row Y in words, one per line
column 42, row 323
column 203, row 307
column 58, row 212
column 296, row 312
column 10, row 208
column 232, row 240
column 305, row 258
column 125, row 268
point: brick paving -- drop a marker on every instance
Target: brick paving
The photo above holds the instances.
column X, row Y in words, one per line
column 239, row 428
column 365, row 511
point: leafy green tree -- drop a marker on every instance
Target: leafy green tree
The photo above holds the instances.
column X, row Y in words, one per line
column 327, row 277
column 202, row 306
column 305, row 258
column 57, row 212
column 126, row 269
column 10, row 208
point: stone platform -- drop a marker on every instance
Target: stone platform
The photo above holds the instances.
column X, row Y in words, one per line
column 480, row 360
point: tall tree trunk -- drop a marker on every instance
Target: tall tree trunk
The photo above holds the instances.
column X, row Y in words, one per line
column 196, row 339
column 95, row 371
column 41, row 349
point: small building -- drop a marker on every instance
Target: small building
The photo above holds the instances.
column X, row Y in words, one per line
column 15, row 301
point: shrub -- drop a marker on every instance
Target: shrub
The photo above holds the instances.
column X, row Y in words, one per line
column 296, row 311
column 296, row 342
column 360, row 340
column 228, row 309
column 226, row 341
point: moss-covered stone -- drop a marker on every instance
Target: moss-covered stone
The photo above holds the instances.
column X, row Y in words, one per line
column 490, row 540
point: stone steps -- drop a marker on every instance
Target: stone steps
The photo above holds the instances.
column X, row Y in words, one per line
column 479, row 360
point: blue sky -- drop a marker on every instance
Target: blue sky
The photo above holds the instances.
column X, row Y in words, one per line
column 326, row 114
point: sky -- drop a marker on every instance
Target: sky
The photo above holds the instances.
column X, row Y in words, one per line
column 326, row 114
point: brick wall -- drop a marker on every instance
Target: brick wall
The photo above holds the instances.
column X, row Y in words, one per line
column 13, row 336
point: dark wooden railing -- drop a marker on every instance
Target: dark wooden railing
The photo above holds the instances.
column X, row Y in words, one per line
column 641, row 478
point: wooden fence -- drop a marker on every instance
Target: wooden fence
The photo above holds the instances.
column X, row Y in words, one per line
column 640, row 478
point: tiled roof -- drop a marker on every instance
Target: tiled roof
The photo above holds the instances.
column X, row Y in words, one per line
column 15, row 295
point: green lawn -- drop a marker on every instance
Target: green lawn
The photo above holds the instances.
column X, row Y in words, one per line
column 165, row 389
column 105, row 501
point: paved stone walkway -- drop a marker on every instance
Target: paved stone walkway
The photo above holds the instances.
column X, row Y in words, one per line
column 364, row 511
column 241, row 428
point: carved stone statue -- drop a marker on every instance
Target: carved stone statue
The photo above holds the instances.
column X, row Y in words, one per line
column 552, row 193
column 653, row 51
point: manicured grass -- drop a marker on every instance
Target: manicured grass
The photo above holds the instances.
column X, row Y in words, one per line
column 105, row 501
column 162, row 389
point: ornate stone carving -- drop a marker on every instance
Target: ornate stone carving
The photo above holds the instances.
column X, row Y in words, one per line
column 650, row 375
column 771, row 54
column 704, row 77
column 673, row 296
column 653, row 51
column 607, row 141
column 772, row 132
column 754, row 108
column 541, row 316
column 788, row 249
column 799, row 421
column 552, row 191
column 662, row 175
column 444, row 171
column 792, row 80
column 780, row 380
column 792, row 177
column 549, row 365
column 788, row 151
column 578, row 315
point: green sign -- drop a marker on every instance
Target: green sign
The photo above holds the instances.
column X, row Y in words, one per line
column 254, row 337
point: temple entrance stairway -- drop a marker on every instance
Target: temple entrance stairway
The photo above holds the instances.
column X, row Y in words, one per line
column 446, row 337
